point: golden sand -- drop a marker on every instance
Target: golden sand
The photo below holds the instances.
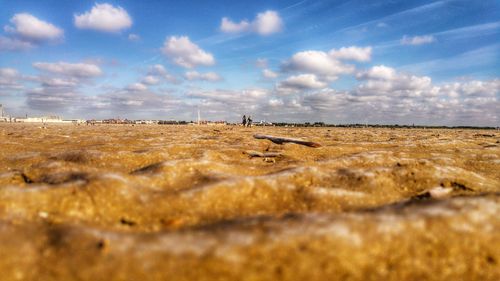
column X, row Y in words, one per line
column 122, row 202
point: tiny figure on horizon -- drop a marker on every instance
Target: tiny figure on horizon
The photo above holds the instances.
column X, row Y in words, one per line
column 244, row 121
column 249, row 121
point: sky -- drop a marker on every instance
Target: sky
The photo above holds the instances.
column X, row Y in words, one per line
column 377, row 62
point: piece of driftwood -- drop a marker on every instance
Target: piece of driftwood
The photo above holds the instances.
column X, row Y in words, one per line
column 281, row 140
column 253, row 153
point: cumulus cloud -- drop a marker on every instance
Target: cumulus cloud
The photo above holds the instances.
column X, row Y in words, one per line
column 158, row 73
column 410, row 99
column 185, row 53
column 150, row 80
column 26, row 32
column 50, row 99
column 377, row 72
column 275, row 102
column 417, row 40
column 13, row 44
column 317, row 62
column 209, row 76
column 224, row 103
column 459, row 103
column 9, row 79
column 138, row 104
column 269, row 74
column 59, row 87
column 79, row 70
column 137, row 87
column 29, row 28
column 265, row 23
column 382, row 80
column 57, row 82
column 268, row 22
column 301, row 82
column 471, row 89
column 231, row 27
column 390, row 96
column 104, row 17
column 397, row 97
column 317, row 68
column 352, row 53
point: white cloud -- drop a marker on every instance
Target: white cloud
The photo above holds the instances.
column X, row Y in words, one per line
column 14, row 44
column 265, row 23
column 79, row 70
column 185, row 53
column 150, row 80
column 301, row 82
column 26, row 32
column 53, row 100
column 384, row 95
column 352, row 53
column 159, row 72
column 317, row 62
column 61, row 86
column 136, row 104
column 238, row 101
column 104, row 17
column 8, row 73
column 269, row 74
column 419, row 102
column 229, row 26
column 29, row 28
column 58, row 82
column 471, row 89
column 155, row 75
column 383, row 80
column 377, row 72
column 209, row 76
column 137, row 87
column 275, row 102
column 9, row 79
column 134, row 37
column 417, row 40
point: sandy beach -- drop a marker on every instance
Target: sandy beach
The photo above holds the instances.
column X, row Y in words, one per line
column 122, row 202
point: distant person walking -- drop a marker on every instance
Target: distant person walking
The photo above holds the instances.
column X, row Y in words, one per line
column 244, row 120
column 249, row 121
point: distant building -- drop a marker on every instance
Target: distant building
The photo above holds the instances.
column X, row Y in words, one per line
column 74, row 121
column 47, row 119
column 149, row 122
column 209, row 123
column 263, row 123
column 3, row 115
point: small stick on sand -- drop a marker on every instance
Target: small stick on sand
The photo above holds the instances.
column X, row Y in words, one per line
column 281, row 140
column 253, row 153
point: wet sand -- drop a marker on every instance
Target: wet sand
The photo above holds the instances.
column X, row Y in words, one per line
column 121, row 202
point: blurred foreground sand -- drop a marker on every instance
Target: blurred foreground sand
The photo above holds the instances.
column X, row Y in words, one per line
column 121, row 202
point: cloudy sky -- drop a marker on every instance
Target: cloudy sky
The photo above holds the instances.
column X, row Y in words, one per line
column 344, row 61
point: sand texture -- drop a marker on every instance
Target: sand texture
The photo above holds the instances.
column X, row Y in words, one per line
column 153, row 202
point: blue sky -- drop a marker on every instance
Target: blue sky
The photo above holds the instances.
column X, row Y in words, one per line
column 422, row 62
